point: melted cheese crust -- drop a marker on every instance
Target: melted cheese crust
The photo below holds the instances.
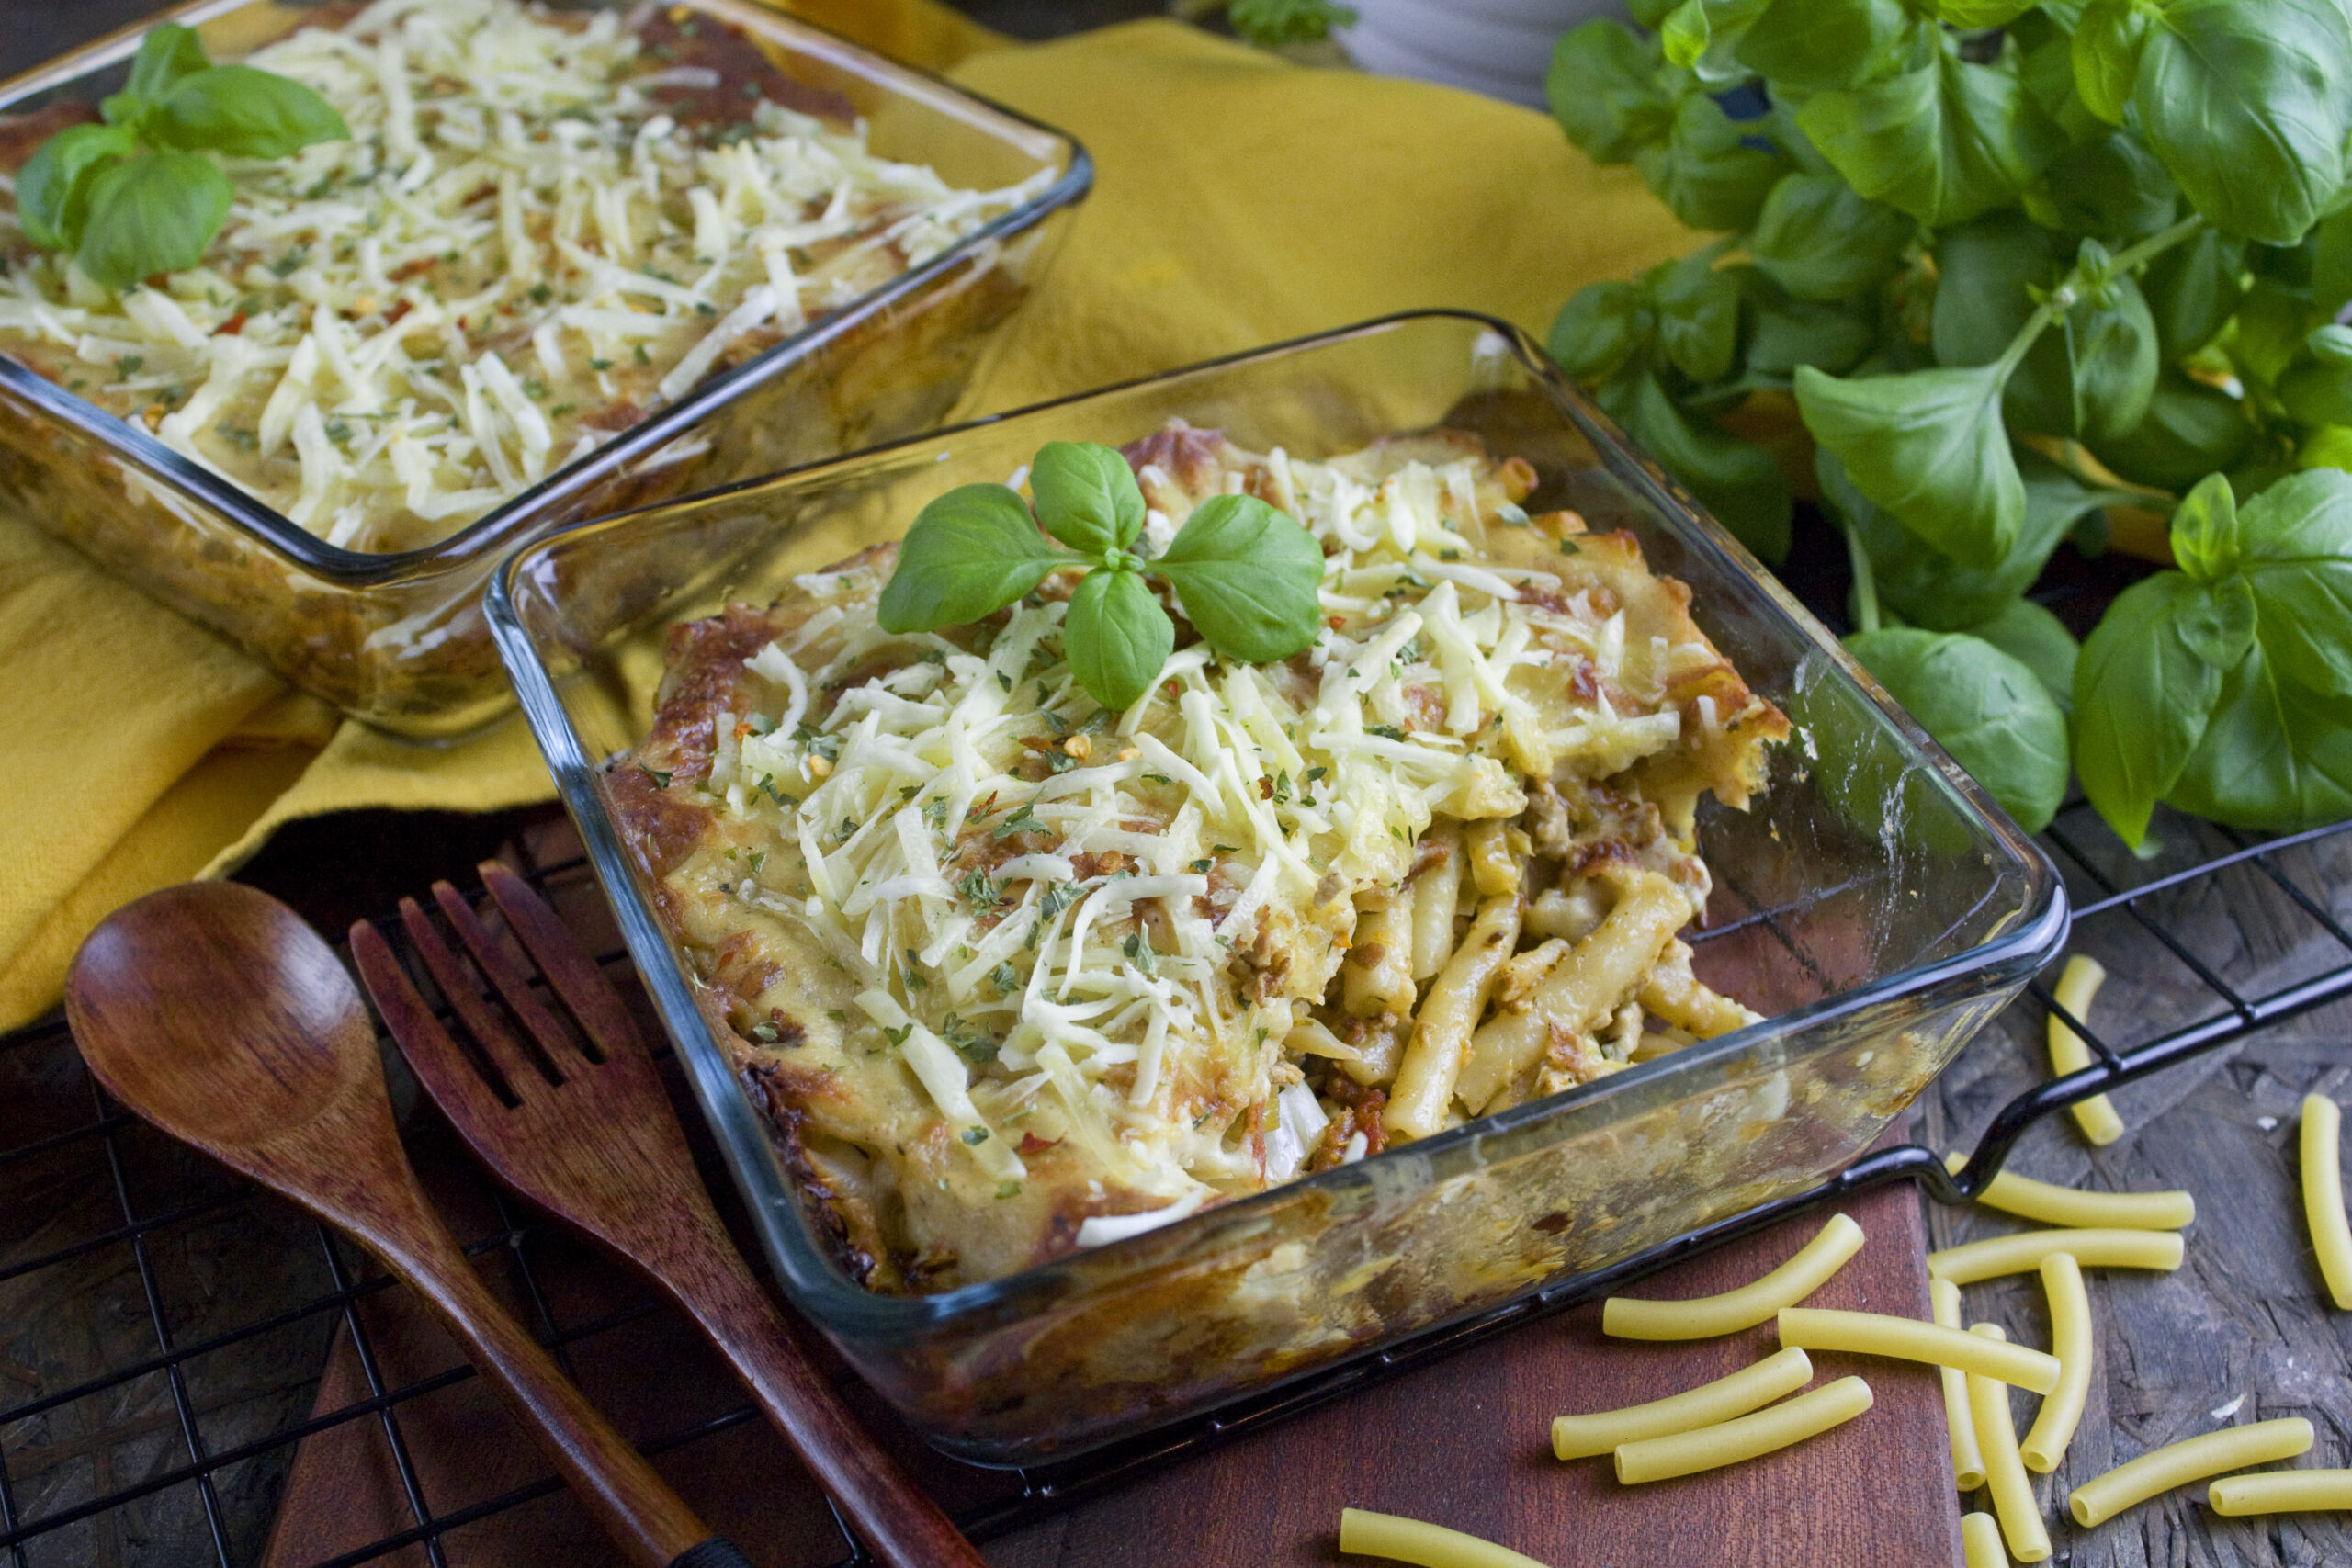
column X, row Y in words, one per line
column 1011, row 975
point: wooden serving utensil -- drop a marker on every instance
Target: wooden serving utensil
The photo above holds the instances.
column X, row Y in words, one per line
column 583, row 1129
column 214, row 1012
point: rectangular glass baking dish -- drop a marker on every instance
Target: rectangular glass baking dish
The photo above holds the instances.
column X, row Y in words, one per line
column 396, row 638
column 1873, row 904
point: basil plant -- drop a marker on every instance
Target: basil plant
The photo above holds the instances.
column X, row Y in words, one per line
column 2016, row 265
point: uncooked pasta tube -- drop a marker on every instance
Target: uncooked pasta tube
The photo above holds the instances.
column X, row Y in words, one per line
column 1967, row 1461
column 2282, row 1492
column 1908, row 1340
column 1628, row 1319
column 1745, row 1437
column 2077, row 985
column 2013, row 1502
column 1580, row 1437
column 2324, row 1195
column 2023, row 1253
column 2192, row 1459
column 2070, row 1341
column 1393, row 1536
column 2056, row 1205
column 1980, row 1539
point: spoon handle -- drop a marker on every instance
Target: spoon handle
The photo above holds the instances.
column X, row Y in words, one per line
column 626, row 1495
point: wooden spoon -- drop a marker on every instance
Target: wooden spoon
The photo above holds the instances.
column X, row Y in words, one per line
column 212, row 1010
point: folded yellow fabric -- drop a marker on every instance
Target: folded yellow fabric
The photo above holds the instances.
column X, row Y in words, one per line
column 1239, row 199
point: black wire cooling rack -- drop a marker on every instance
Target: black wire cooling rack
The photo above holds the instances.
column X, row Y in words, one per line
column 140, row 1287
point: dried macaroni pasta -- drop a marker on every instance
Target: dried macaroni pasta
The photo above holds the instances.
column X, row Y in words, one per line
column 2078, row 984
column 2023, row 1253
column 1908, row 1340
column 2282, row 1492
column 1628, row 1318
column 1368, row 1534
column 2192, row 1459
column 1960, row 1424
column 1745, row 1437
column 2321, row 1138
column 1997, row 1437
column 2069, row 1206
column 2070, row 1341
column 1580, row 1437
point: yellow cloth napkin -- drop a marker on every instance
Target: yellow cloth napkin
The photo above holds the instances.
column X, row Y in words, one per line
column 1238, row 199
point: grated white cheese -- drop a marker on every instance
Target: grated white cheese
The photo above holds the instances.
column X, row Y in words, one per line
column 521, row 249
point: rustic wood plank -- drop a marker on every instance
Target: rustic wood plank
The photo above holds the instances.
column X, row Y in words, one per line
column 2242, row 1332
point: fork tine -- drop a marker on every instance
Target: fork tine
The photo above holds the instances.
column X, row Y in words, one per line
column 505, row 1052
column 448, row 1072
column 603, row 1016
column 554, row 1041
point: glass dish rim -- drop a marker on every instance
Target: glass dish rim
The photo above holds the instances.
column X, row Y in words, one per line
column 2035, row 933
column 492, row 531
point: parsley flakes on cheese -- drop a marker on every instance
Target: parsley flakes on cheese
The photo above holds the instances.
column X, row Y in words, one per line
column 546, row 225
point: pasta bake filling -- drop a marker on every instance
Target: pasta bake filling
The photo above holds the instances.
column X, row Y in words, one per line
column 1011, row 975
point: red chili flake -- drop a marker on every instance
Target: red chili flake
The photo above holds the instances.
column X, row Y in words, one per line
column 399, row 308
column 230, row 327
column 1033, row 1145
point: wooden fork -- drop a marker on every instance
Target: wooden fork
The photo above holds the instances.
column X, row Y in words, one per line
column 588, row 1135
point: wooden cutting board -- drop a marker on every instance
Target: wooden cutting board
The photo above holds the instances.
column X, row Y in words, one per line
column 1464, row 1441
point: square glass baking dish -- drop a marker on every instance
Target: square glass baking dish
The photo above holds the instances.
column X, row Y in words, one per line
column 396, row 638
column 1873, row 904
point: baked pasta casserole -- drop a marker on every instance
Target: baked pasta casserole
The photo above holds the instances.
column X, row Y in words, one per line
column 545, row 226
column 1009, row 975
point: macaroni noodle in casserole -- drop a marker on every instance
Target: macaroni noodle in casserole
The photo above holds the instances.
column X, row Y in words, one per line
column 1011, row 974
column 545, row 226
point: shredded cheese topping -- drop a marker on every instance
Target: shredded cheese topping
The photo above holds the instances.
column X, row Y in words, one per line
column 1130, row 918
column 537, row 235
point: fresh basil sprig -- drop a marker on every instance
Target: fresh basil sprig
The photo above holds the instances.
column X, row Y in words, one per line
column 135, row 196
column 1244, row 574
column 2018, row 262
column 2225, row 688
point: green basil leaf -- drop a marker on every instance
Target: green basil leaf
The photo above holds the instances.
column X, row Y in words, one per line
column 1650, row 14
column 2040, row 641
column 1780, row 332
column 1087, row 496
column 1737, row 481
column 2192, row 289
column 2332, row 263
column 1930, row 448
column 1929, row 588
column 245, row 112
column 52, row 188
column 2145, row 689
column 150, row 214
column 1819, row 240
column 1812, row 44
column 2113, row 188
column 2294, row 544
column 2110, row 341
column 1117, row 639
column 127, row 110
column 2204, row 531
column 1978, row 13
column 1986, row 708
column 2317, row 388
column 1944, row 141
column 2106, row 54
column 1245, row 576
column 1601, row 327
column 2275, row 756
column 2046, row 66
column 1684, row 35
column 1705, row 169
column 2191, row 429
column 2246, row 105
column 970, row 554
column 1988, row 275
column 2272, row 324
column 1603, row 88
column 1697, row 306
column 167, row 56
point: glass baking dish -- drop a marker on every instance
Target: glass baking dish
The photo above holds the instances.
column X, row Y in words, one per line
column 396, row 638
column 1873, row 904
